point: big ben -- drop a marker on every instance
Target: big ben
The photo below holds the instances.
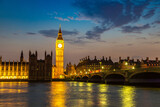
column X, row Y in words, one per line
column 59, row 55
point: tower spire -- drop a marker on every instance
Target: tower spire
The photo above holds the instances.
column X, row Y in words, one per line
column 21, row 58
column 59, row 33
column 59, row 28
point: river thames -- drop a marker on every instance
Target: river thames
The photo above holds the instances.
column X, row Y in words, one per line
column 76, row 94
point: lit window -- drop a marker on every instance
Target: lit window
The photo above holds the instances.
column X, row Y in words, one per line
column 23, row 68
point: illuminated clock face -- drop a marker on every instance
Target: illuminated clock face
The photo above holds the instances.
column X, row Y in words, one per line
column 59, row 45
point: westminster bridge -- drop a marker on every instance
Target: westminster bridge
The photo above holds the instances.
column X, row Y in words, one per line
column 139, row 75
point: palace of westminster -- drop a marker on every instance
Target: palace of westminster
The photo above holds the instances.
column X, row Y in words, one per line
column 44, row 70
column 36, row 69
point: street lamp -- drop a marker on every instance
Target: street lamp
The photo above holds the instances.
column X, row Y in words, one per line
column 126, row 63
column 102, row 67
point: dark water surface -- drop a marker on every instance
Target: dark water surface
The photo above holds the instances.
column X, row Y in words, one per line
column 76, row 94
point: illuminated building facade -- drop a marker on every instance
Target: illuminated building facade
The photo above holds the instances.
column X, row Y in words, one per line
column 86, row 65
column 22, row 70
column 14, row 70
column 70, row 69
column 131, row 63
column 58, row 70
column 36, row 69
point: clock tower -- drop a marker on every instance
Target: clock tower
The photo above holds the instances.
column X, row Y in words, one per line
column 59, row 73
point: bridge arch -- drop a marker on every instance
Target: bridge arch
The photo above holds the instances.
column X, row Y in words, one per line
column 116, row 78
column 144, row 77
column 77, row 78
column 85, row 77
column 96, row 78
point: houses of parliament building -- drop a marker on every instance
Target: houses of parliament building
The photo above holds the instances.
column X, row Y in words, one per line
column 35, row 69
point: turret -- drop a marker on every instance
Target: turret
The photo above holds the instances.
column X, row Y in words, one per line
column 29, row 53
column 147, row 59
column 21, row 57
column 95, row 58
column 0, row 59
column 156, row 59
column 36, row 54
column 45, row 54
column 106, row 59
column 88, row 58
column 51, row 54
column 102, row 57
column 120, row 59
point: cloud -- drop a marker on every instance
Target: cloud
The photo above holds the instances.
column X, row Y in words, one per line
column 129, row 44
column 109, row 14
column 62, row 19
column 95, row 33
column 149, row 14
column 134, row 29
column 30, row 33
column 156, row 22
column 53, row 33
column 76, row 40
column 73, row 39
column 154, row 35
column 70, row 17
column 157, row 42
column 153, row 43
column 15, row 33
column 141, row 38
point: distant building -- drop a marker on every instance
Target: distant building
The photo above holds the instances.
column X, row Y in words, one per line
column 70, row 69
column 86, row 65
column 131, row 63
column 126, row 64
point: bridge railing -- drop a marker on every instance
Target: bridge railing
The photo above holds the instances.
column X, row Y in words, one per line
column 129, row 71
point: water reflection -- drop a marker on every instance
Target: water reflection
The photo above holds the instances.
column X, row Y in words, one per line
column 75, row 94
column 58, row 94
column 13, row 94
column 128, row 96
column 103, row 97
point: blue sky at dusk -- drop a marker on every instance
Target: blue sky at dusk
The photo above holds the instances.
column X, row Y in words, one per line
column 90, row 27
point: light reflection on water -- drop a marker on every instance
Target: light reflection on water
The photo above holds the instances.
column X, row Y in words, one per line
column 128, row 96
column 76, row 94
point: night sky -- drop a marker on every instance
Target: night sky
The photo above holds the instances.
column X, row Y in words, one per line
column 90, row 27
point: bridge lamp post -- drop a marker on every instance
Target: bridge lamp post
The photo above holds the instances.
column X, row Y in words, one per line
column 102, row 69
column 133, row 67
column 100, row 66
column 80, row 72
column 126, row 63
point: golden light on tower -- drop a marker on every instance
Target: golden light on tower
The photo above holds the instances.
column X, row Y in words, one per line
column 59, row 71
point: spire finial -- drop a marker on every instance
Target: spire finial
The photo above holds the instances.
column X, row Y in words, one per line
column 60, row 28
column 60, row 33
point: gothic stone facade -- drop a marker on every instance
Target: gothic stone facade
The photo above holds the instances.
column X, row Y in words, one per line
column 40, row 69
column 33, row 70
